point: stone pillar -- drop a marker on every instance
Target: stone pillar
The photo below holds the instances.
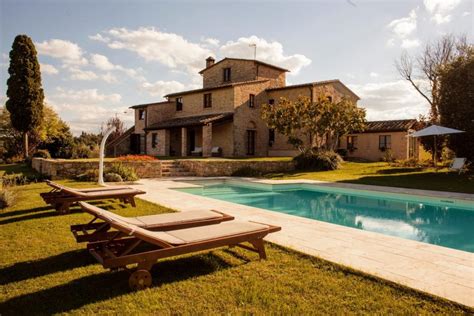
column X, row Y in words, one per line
column 207, row 140
column 163, row 142
column 184, row 141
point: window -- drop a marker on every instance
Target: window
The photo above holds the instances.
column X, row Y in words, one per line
column 141, row 115
column 271, row 137
column 251, row 142
column 329, row 98
column 351, row 142
column 271, row 101
column 385, row 142
column 227, row 74
column 251, row 100
column 207, row 100
column 154, row 140
column 179, row 104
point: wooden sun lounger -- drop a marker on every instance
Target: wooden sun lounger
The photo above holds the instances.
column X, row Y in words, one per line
column 62, row 197
column 121, row 252
column 97, row 231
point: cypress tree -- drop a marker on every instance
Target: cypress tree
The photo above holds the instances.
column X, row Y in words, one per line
column 25, row 94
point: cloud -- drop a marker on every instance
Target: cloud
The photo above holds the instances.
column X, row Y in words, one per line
column 271, row 52
column 169, row 49
column 85, row 110
column 390, row 100
column 404, row 26
column 466, row 13
column 101, row 62
column 68, row 52
column 410, row 43
column 109, row 78
column 211, row 41
column 373, row 74
column 48, row 69
column 161, row 88
column 440, row 9
column 84, row 75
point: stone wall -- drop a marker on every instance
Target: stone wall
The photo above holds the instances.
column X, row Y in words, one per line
column 218, row 168
column 60, row 168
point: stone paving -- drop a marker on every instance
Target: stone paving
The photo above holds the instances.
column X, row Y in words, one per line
column 440, row 271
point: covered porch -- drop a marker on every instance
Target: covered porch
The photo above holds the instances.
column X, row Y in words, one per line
column 192, row 135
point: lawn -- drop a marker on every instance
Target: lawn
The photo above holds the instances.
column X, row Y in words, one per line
column 381, row 173
column 43, row 271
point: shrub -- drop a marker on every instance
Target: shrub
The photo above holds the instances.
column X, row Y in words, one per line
column 246, row 172
column 388, row 156
column 322, row 160
column 136, row 158
column 42, row 153
column 14, row 179
column 89, row 175
column 342, row 152
column 81, row 151
column 112, row 177
column 127, row 173
column 7, row 198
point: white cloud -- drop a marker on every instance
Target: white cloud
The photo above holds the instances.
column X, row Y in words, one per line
column 440, row 9
column 85, row 75
column 271, row 52
column 404, row 26
column 85, row 110
column 211, row 41
column 109, row 78
column 390, row 100
column 410, row 43
column 48, row 69
column 101, row 62
column 373, row 74
column 466, row 13
column 161, row 88
column 170, row 49
column 68, row 52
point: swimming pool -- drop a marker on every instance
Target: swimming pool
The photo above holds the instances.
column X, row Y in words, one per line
column 448, row 223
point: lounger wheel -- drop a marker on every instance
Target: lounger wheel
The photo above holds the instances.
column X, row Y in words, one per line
column 139, row 280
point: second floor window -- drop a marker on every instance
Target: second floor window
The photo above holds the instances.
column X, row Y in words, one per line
column 141, row 115
column 227, row 74
column 271, row 101
column 179, row 104
column 154, row 140
column 329, row 98
column 385, row 142
column 207, row 100
column 351, row 142
column 251, row 100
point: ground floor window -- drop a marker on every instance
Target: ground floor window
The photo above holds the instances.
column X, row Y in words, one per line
column 351, row 142
column 385, row 142
column 271, row 137
column 251, row 142
column 154, row 140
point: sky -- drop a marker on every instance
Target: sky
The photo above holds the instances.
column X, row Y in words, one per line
column 100, row 57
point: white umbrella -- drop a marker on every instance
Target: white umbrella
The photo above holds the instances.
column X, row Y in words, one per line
column 435, row 130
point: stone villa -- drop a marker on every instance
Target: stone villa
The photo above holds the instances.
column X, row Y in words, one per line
column 223, row 117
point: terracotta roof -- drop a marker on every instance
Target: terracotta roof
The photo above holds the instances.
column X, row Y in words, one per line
column 244, row 59
column 313, row 84
column 147, row 104
column 228, row 85
column 191, row 121
column 391, row 126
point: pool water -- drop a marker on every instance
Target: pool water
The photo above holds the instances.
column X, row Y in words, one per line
column 435, row 222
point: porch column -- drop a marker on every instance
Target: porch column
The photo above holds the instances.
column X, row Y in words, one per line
column 207, row 140
column 184, row 141
column 163, row 142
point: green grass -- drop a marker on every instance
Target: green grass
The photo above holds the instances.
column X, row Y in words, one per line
column 381, row 173
column 43, row 271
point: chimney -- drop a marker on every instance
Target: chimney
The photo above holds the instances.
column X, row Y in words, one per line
column 209, row 61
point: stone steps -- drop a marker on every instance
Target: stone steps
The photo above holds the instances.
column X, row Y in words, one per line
column 174, row 169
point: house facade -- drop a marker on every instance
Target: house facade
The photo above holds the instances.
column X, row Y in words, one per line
column 223, row 117
column 384, row 138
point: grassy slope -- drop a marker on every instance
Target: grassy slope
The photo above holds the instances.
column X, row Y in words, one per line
column 380, row 173
column 43, row 271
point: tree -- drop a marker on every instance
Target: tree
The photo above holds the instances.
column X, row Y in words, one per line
column 423, row 71
column 25, row 95
column 313, row 125
column 118, row 125
column 456, row 103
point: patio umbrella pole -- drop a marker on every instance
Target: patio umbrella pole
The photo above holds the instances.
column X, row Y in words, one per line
column 435, row 152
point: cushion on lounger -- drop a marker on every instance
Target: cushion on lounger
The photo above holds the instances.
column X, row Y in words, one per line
column 203, row 233
column 179, row 217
